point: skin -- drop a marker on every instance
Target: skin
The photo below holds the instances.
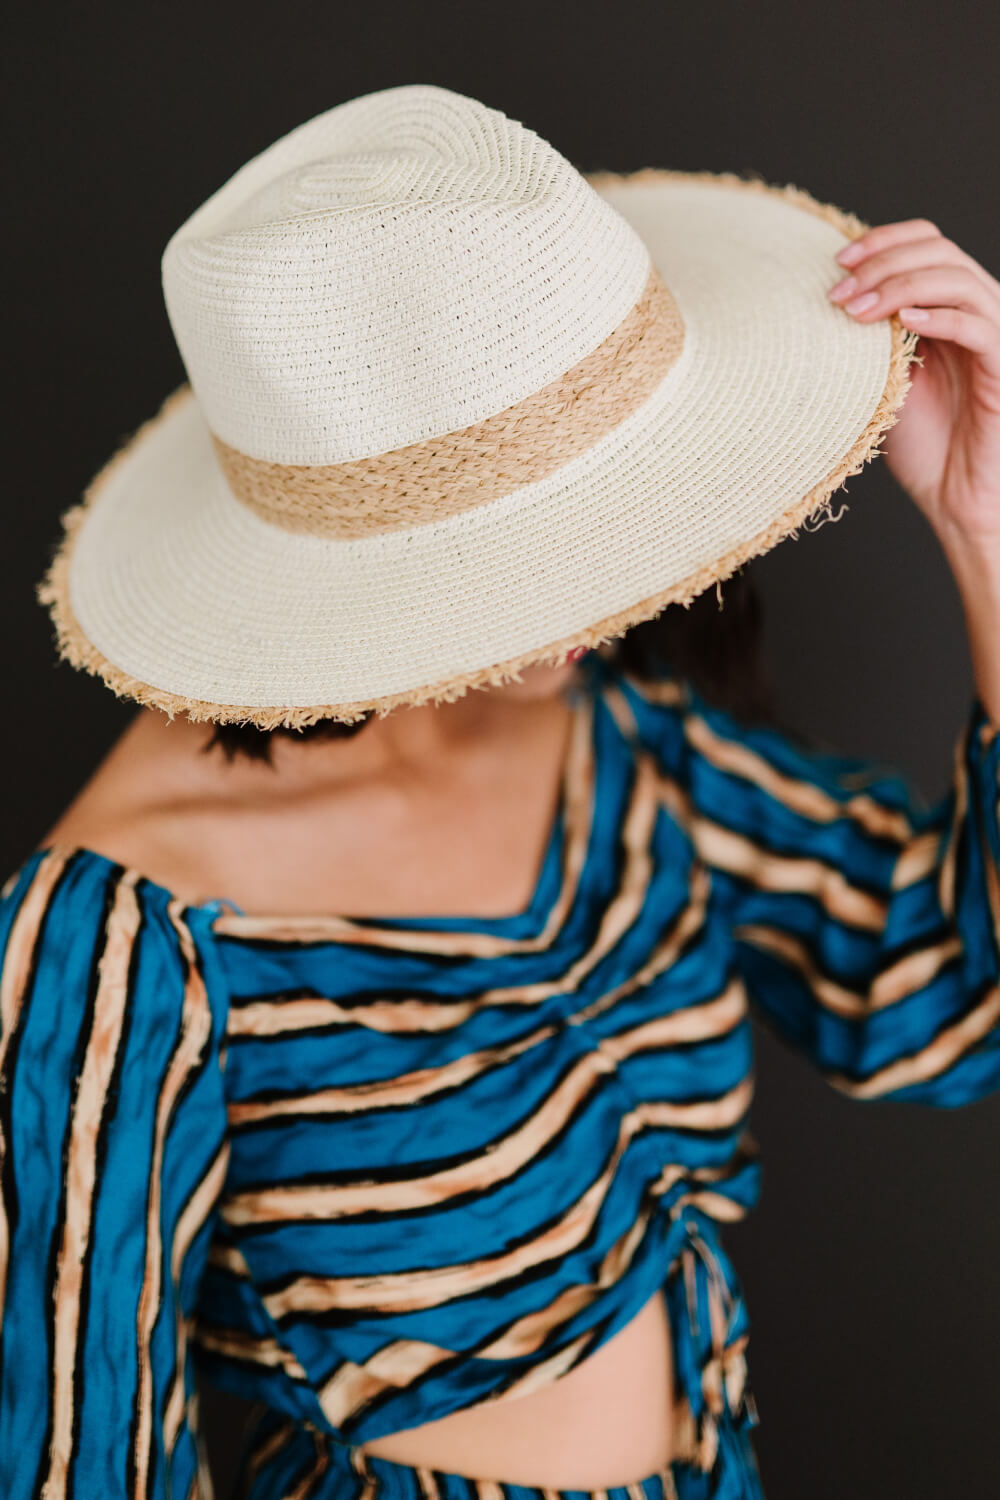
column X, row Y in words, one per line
column 434, row 810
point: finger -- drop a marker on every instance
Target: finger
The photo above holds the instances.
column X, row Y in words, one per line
column 934, row 286
column 957, row 327
column 883, row 236
column 908, row 256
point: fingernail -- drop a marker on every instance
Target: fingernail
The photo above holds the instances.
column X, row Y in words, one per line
column 914, row 314
column 576, row 653
column 861, row 304
column 850, row 254
column 843, row 289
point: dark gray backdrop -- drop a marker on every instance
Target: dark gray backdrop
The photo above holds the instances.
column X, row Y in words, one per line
column 870, row 1266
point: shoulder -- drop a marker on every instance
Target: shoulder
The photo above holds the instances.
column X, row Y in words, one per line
column 143, row 806
column 695, row 736
column 99, row 886
column 64, row 897
column 90, row 949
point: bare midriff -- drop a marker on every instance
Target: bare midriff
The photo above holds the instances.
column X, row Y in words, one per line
column 608, row 1421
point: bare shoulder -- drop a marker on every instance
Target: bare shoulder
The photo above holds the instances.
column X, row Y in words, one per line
column 145, row 805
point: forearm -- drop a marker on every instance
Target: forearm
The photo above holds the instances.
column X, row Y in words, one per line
column 976, row 568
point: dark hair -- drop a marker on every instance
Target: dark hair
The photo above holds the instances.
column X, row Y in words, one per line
column 715, row 643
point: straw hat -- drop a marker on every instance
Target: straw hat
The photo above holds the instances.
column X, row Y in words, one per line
column 454, row 408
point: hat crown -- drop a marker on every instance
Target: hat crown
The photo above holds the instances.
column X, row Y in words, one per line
column 398, row 268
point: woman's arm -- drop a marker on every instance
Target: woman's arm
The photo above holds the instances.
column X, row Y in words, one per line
column 944, row 447
column 113, row 1143
column 866, row 925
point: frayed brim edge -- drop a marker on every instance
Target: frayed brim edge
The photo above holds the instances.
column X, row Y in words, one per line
column 75, row 647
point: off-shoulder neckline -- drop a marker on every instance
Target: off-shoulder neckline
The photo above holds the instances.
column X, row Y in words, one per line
column 517, row 926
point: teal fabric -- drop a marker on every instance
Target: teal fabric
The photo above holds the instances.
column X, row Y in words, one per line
column 368, row 1173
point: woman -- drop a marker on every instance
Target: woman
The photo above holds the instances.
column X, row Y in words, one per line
column 440, row 1191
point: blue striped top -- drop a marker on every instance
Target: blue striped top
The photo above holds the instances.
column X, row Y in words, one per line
column 370, row 1172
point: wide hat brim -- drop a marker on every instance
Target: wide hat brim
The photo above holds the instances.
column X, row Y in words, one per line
column 181, row 597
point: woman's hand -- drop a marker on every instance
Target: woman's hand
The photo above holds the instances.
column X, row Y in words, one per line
column 944, row 448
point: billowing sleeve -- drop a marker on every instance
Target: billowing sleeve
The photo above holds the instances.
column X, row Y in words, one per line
column 866, row 923
column 113, row 1152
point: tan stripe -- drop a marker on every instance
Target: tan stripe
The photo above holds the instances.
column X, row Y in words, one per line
column 196, row 1027
column 794, row 793
column 791, row 875
column 689, row 920
column 175, row 1411
column 487, row 1489
column 935, row 1059
column 406, row 1088
column 81, row 1170
column 989, row 731
column 528, row 1333
column 428, row 1484
column 918, row 860
column 399, row 1364
column 404, row 1361
column 636, row 834
column 704, row 1114
column 262, row 1455
column 721, row 848
column 893, row 984
column 264, row 1018
column 694, row 1023
column 412, row 1290
column 547, row 1370
column 667, row 692
column 192, row 1219
column 716, row 1205
column 319, row 1468
column 674, row 1172
column 458, row 471
column 578, row 817
column 624, row 717
column 235, row 1343
column 197, row 1209
column 424, row 1083
column 21, row 942
column 947, row 876
column 347, row 1391
column 205, row 1488
column 506, row 1156
column 14, row 972
column 228, row 1258
column 578, row 803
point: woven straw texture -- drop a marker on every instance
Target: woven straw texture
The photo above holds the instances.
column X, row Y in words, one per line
column 411, row 267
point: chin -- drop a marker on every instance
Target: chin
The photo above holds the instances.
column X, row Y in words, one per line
column 539, row 681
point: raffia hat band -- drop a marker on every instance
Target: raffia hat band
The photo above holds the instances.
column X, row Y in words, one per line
column 444, row 476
